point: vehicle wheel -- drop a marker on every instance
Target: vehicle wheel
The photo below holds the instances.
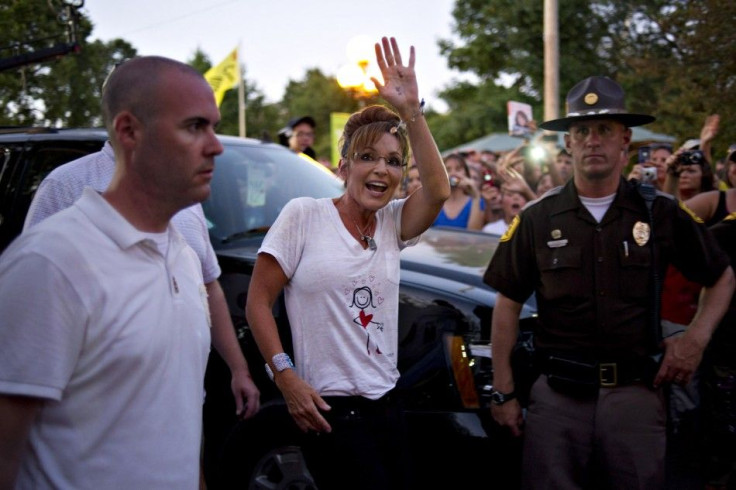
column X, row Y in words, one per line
column 283, row 468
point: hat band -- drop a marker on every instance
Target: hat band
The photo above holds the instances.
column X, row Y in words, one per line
column 595, row 112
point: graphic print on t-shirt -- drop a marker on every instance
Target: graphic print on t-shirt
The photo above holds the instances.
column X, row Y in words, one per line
column 363, row 301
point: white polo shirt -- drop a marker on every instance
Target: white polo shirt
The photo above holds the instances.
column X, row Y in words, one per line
column 65, row 183
column 114, row 336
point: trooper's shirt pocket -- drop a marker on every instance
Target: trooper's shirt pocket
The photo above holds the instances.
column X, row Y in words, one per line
column 561, row 272
column 636, row 262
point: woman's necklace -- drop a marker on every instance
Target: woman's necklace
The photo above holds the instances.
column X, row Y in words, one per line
column 365, row 237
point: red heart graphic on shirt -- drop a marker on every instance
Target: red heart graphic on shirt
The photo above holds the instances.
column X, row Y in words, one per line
column 365, row 319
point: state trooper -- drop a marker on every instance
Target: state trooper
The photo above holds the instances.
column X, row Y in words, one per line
column 593, row 251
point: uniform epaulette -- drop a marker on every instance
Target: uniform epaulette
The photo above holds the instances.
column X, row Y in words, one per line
column 552, row 192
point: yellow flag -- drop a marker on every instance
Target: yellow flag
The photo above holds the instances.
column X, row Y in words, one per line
column 337, row 124
column 224, row 76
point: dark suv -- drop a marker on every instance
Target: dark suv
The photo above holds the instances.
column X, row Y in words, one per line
column 445, row 309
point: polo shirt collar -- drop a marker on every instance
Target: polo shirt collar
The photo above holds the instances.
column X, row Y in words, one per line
column 108, row 220
column 108, row 151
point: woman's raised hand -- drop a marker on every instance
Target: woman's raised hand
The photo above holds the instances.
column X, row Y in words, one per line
column 399, row 87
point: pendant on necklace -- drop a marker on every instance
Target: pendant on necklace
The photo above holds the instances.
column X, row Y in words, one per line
column 366, row 238
column 370, row 241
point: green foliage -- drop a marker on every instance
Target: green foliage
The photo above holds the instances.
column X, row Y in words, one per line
column 317, row 95
column 200, row 61
column 505, row 38
column 72, row 88
column 686, row 69
column 474, row 111
column 258, row 114
column 61, row 92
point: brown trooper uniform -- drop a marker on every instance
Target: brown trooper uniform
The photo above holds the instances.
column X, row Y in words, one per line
column 594, row 419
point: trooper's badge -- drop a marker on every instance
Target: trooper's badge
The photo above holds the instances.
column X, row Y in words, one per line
column 591, row 98
column 641, row 233
column 556, row 234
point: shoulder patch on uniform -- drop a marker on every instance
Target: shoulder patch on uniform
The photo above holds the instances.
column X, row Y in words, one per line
column 730, row 217
column 511, row 229
column 689, row 211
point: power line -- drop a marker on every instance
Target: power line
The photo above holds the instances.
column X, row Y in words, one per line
column 176, row 19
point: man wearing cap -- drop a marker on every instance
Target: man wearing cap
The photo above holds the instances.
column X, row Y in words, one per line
column 298, row 135
column 592, row 251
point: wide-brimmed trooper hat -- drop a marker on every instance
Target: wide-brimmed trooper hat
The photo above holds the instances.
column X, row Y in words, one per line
column 596, row 98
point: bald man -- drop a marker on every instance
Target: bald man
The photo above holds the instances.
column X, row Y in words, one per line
column 106, row 329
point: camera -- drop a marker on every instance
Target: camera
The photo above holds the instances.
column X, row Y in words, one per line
column 454, row 181
column 649, row 174
column 691, row 157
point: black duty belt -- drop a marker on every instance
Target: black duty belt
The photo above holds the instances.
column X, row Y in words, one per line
column 598, row 374
column 612, row 374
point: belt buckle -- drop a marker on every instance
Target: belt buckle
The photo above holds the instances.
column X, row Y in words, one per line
column 608, row 374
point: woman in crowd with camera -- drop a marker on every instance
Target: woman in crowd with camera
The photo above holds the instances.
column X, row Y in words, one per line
column 465, row 207
column 713, row 206
column 689, row 173
column 337, row 261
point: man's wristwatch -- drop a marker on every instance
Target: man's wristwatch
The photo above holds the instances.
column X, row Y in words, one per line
column 281, row 362
column 498, row 398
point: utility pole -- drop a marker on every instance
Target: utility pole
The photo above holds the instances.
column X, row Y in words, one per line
column 70, row 15
column 241, row 101
column 551, row 61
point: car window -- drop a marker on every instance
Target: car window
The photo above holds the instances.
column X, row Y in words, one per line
column 251, row 185
column 23, row 168
column 44, row 161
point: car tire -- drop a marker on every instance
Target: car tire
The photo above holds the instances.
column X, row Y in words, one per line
column 281, row 469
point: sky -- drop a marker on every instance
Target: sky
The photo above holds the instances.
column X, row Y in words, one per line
column 280, row 40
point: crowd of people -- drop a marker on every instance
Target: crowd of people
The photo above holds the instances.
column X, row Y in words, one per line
column 481, row 179
column 110, row 335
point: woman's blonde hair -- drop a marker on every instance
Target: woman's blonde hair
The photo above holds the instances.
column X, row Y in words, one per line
column 365, row 127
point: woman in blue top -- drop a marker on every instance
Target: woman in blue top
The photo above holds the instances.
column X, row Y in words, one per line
column 465, row 207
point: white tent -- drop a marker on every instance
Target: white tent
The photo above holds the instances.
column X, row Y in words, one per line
column 500, row 142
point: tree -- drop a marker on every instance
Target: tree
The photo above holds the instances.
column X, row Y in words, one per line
column 318, row 95
column 72, row 90
column 675, row 58
column 503, row 39
column 64, row 92
column 259, row 116
column 474, row 111
column 683, row 67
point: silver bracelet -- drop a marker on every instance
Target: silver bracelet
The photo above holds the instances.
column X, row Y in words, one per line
column 281, row 362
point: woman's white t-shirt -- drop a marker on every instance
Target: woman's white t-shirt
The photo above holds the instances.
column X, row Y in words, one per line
column 341, row 299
